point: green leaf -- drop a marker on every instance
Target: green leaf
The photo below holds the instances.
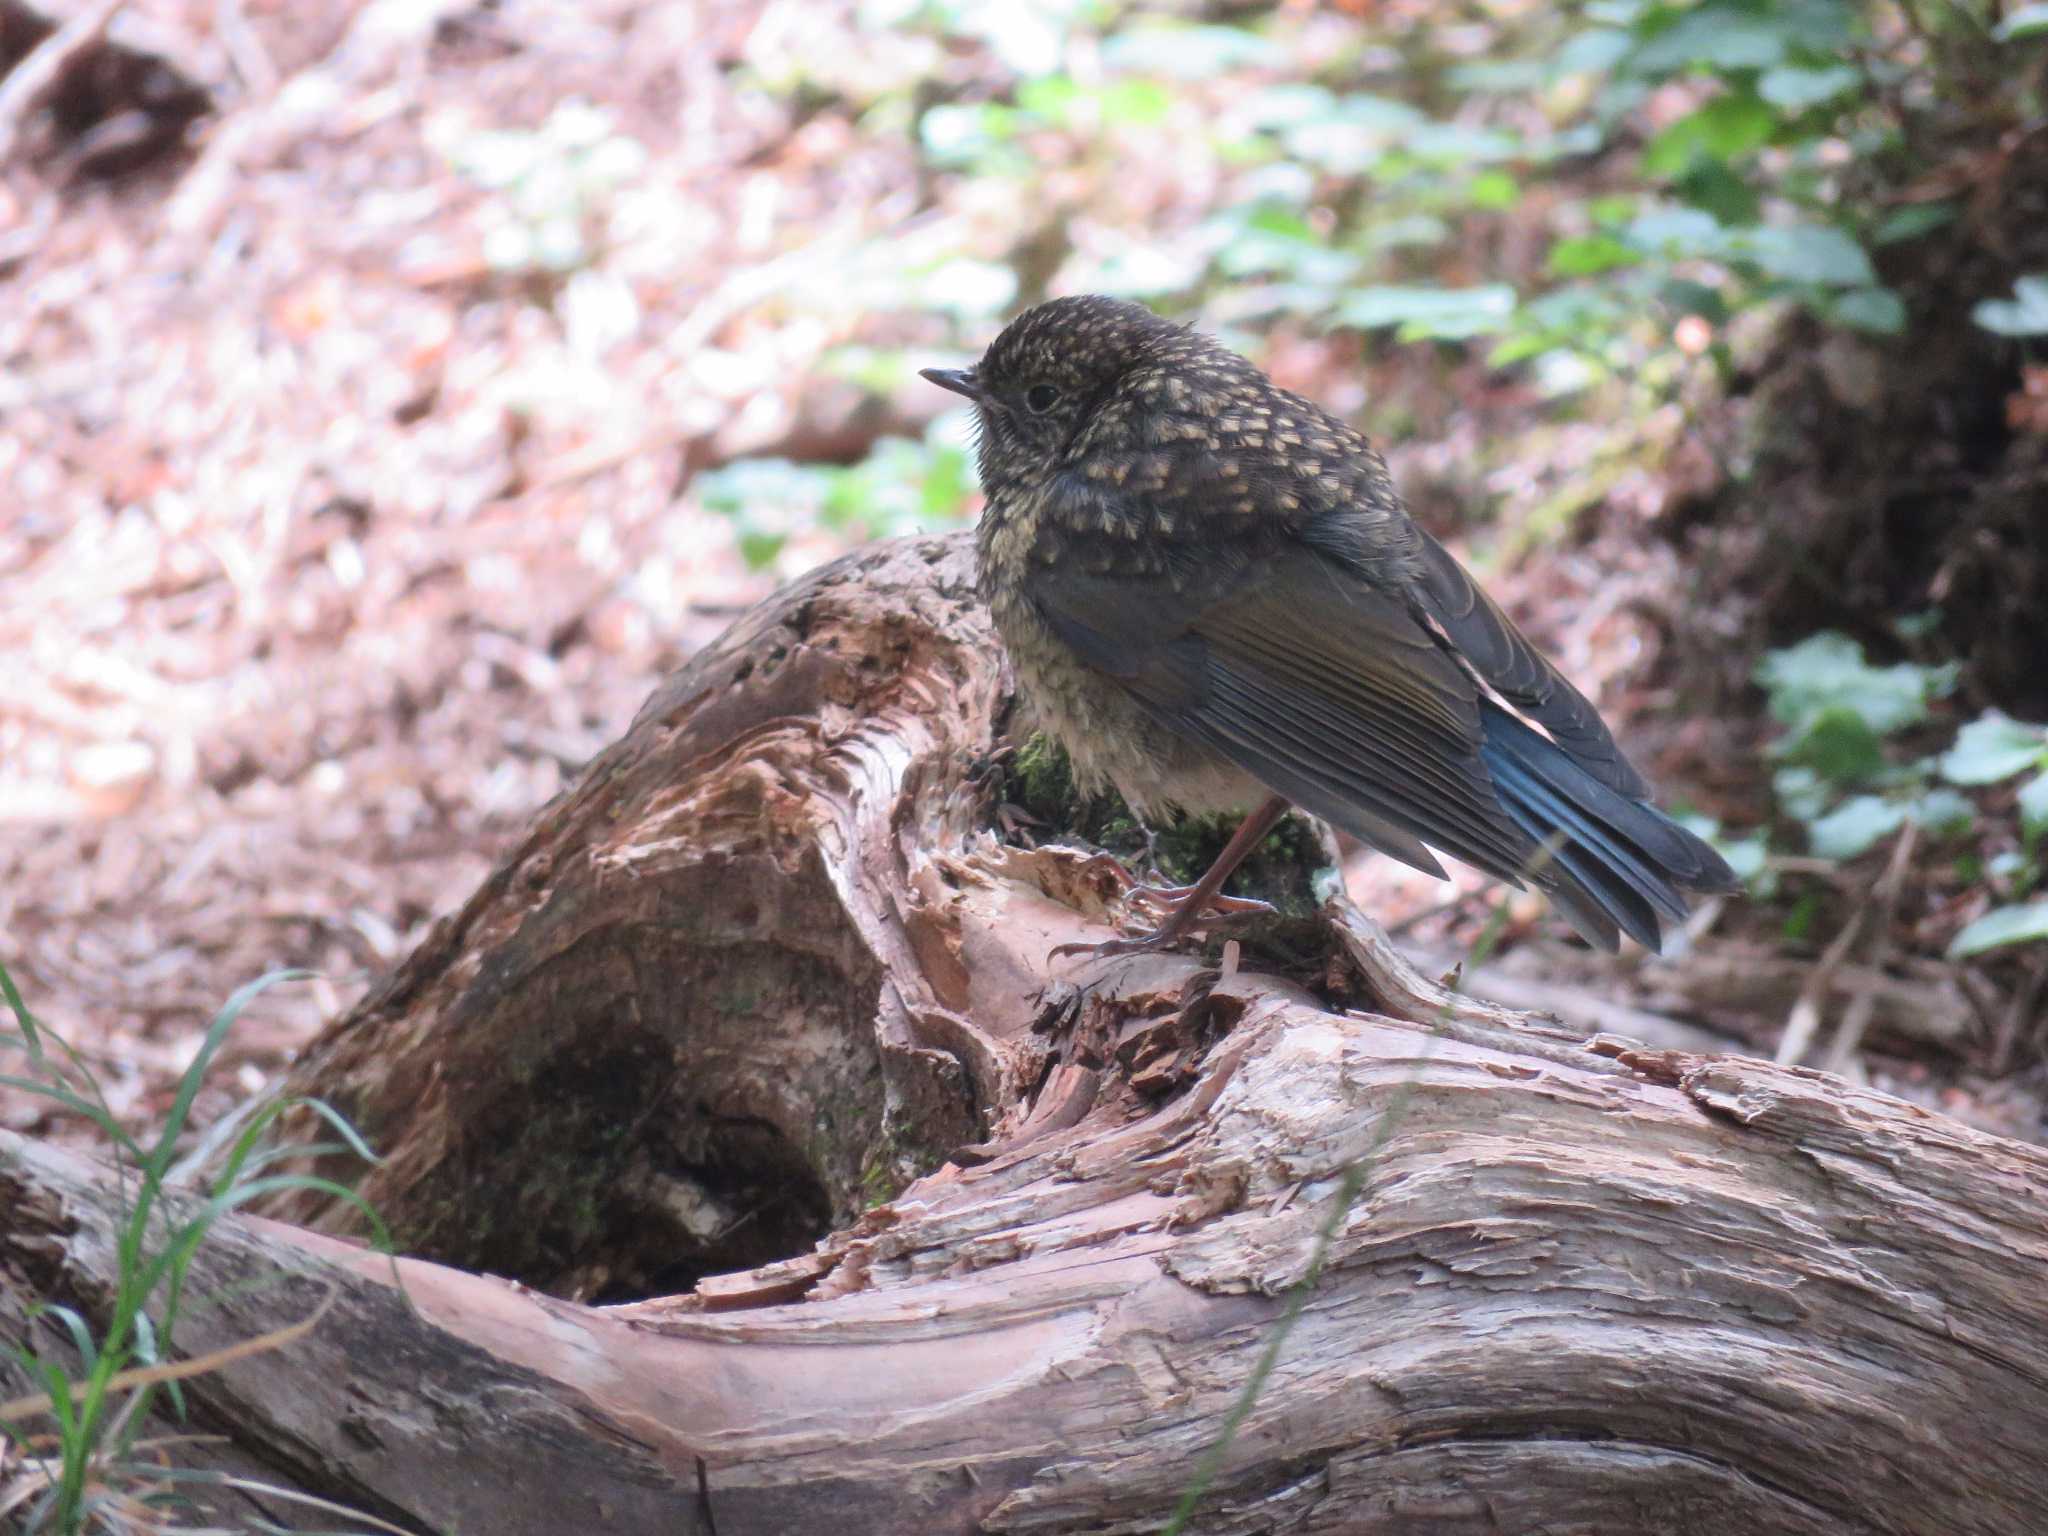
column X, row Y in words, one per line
column 1493, row 190
column 960, row 135
column 1134, row 103
column 1352, row 136
column 1809, row 253
column 2027, row 21
column 1498, row 77
column 1800, row 792
column 1839, row 745
column 1188, row 52
column 1854, row 826
column 1519, row 349
column 748, row 488
column 1726, row 128
column 1676, row 233
column 1911, row 222
column 1827, row 672
column 1793, row 89
column 1747, row 856
column 1584, row 255
column 1279, row 107
column 1713, row 38
column 1591, row 52
column 1413, row 230
column 1722, row 190
column 1444, row 313
column 1683, row 296
column 1944, row 813
column 1877, row 311
column 2021, row 923
column 760, row 549
column 2034, row 806
column 1455, row 144
column 1992, row 748
column 1918, row 625
column 2025, row 314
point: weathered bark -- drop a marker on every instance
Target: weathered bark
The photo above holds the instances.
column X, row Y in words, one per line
column 767, row 960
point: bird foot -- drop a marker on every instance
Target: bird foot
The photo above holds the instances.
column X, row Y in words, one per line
column 1183, row 912
column 1171, row 898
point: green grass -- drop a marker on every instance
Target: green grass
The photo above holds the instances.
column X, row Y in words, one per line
column 83, row 1463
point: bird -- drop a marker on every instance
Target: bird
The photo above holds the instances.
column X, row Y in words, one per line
column 1215, row 601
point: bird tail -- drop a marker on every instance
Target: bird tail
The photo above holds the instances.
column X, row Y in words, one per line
column 1609, row 863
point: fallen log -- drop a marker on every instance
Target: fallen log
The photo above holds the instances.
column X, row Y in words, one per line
column 913, row 1230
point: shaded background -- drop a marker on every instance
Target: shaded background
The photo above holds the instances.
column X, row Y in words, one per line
column 390, row 394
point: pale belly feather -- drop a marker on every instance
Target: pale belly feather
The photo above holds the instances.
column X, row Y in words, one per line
column 1108, row 737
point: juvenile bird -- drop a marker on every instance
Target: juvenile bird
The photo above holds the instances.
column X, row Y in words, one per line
column 1215, row 600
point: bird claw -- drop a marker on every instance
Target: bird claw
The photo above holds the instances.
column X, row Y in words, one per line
column 1151, row 943
column 1172, row 897
column 1180, row 920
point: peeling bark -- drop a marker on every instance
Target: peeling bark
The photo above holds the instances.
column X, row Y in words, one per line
column 1002, row 1241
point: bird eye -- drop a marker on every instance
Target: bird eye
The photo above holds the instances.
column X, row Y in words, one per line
column 1041, row 398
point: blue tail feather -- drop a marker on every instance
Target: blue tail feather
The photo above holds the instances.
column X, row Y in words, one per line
column 1611, row 864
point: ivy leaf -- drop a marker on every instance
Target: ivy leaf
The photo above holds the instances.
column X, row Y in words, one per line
column 1187, row 52
column 1810, row 253
column 760, row 549
column 1676, row 233
column 1591, row 52
column 1991, row 748
column 1944, row 813
column 1911, row 222
column 1493, row 190
column 1711, row 37
column 2024, row 314
column 1726, row 128
column 1800, row 791
column 2021, row 923
column 1351, row 135
column 1827, row 672
column 1854, row 825
column 1792, row 89
column 2027, row 21
column 1458, row 144
column 1445, row 313
column 1839, row 745
column 1878, row 311
column 1584, row 255
column 2034, row 806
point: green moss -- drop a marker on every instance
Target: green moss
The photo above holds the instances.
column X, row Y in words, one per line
column 1279, row 871
column 880, row 1179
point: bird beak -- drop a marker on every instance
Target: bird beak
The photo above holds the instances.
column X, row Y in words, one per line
column 959, row 380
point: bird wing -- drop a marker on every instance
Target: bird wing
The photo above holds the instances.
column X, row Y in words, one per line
column 1502, row 655
column 1326, row 689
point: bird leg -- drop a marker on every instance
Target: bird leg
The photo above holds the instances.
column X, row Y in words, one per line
column 1156, row 892
column 1172, row 896
column 1187, row 905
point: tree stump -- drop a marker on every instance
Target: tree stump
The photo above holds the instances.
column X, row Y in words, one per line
column 928, row 1233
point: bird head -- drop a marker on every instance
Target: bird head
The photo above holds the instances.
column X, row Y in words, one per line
column 1053, row 370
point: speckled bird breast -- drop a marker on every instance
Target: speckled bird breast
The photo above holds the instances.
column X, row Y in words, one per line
column 1108, row 737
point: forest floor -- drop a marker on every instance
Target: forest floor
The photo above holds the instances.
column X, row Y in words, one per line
column 332, row 548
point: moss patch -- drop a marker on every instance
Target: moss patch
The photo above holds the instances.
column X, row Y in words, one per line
column 1280, row 871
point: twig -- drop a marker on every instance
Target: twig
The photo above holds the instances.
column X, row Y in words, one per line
column 33, row 75
column 1414, row 920
column 1804, row 1019
column 245, row 49
column 1856, row 1018
column 2025, row 1001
